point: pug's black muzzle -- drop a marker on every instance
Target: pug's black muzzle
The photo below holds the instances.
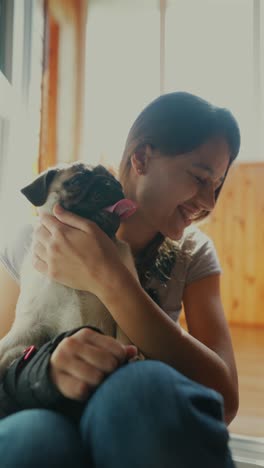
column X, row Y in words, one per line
column 89, row 199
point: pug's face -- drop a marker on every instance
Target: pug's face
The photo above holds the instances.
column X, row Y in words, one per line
column 83, row 190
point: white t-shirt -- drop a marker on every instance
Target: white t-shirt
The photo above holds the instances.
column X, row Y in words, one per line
column 198, row 260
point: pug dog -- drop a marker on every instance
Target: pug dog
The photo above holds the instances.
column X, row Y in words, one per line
column 46, row 308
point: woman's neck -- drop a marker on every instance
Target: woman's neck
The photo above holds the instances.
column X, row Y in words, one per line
column 135, row 232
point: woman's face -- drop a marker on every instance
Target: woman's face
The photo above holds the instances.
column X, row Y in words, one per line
column 172, row 190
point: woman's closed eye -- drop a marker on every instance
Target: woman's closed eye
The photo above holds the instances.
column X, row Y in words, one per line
column 203, row 182
column 200, row 180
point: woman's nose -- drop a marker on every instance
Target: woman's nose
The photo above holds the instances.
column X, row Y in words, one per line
column 206, row 197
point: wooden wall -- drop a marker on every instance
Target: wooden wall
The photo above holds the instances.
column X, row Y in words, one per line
column 237, row 228
column 62, row 81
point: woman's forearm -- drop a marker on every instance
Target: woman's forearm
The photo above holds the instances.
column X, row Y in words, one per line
column 158, row 337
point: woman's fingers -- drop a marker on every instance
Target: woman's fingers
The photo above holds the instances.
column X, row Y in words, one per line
column 41, row 232
column 103, row 342
column 80, row 256
column 41, row 237
column 39, row 265
column 102, row 352
column 70, row 386
column 53, row 226
column 61, row 219
column 87, row 371
column 70, row 219
column 54, row 232
column 39, row 250
column 74, row 377
column 82, row 361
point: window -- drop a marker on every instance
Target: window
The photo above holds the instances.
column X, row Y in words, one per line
column 4, row 132
column 6, row 35
column 21, row 28
column 123, row 69
column 213, row 48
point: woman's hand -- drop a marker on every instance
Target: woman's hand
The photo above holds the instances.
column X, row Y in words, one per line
column 82, row 361
column 74, row 251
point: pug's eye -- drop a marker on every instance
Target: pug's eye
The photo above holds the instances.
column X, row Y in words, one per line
column 75, row 180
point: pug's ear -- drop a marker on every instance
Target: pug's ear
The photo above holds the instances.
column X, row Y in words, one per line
column 101, row 170
column 37, row 191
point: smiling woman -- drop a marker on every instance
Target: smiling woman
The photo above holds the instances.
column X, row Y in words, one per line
column 195, row 372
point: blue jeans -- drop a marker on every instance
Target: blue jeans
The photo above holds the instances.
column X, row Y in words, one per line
column 144, row 415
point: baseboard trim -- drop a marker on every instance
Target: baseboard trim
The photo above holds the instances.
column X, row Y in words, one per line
column 248, row 452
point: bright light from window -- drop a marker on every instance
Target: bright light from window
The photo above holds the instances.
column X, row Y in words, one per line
column 122, row 74
column 209, row 52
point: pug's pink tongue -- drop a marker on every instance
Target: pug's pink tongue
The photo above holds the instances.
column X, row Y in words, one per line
column 123, row 208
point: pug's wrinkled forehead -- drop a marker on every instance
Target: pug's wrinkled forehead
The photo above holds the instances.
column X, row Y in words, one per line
column 65, row 173
column 62, row 177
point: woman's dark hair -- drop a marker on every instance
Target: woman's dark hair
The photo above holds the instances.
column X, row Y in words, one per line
column 177, row 123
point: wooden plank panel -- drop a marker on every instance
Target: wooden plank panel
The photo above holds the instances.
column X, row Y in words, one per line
column 237, row 229
column 260, row 241
column 249, row 346
column 48, row 131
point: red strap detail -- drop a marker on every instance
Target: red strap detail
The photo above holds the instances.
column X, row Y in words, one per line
column 29, row 351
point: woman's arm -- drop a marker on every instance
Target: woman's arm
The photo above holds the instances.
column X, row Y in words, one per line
column 41, row 378
column 61, row 253
column 204, row 354
column 206, row 322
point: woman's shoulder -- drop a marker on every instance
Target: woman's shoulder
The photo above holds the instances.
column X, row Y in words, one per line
column 14, row 244
column 193, row 240
column 200, row 254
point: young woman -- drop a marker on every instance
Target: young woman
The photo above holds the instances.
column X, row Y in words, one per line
column 171, row 409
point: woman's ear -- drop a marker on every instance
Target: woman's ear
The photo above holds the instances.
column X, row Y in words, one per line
column 140, row 159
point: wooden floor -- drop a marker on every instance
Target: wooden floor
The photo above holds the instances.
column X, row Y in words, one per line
column 249, row 350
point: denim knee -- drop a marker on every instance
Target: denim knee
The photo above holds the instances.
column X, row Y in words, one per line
column 153, row 388
column 148, row 414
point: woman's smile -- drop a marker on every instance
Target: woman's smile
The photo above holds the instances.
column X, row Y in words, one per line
column 185, row 215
